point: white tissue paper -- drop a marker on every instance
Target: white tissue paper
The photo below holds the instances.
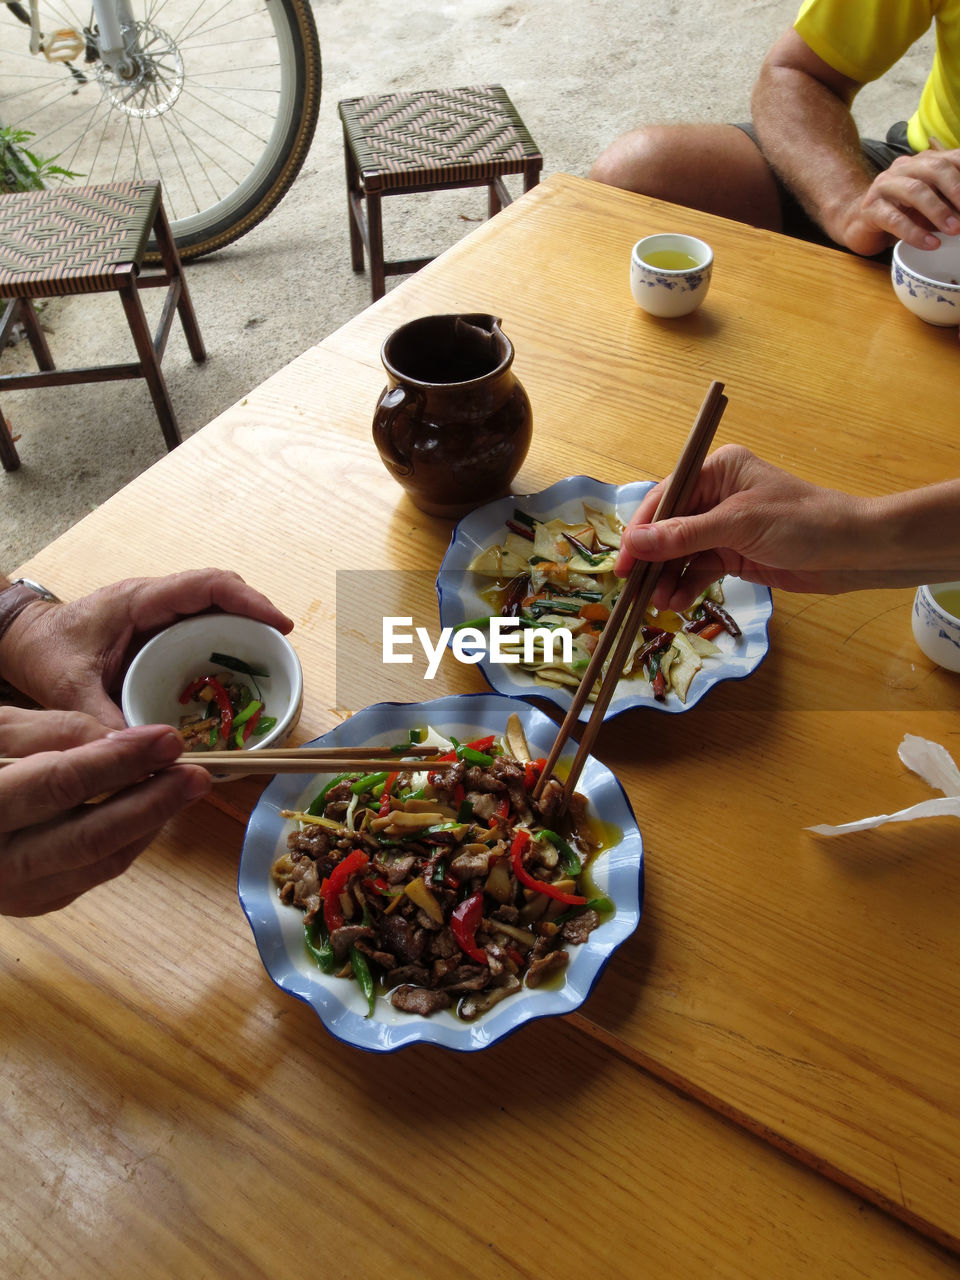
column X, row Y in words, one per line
column 934, row 765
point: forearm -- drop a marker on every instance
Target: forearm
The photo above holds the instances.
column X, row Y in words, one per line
column 911, row 538
column 809, row 137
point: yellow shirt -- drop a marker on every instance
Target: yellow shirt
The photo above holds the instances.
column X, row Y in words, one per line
column 864, row 38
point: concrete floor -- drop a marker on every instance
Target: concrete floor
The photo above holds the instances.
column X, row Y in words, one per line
column 579, row 75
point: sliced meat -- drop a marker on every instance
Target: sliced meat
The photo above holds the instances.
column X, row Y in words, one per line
column 344, row 938
column 422, row 1000
column 468, row 977
column 578, row 928
column 474, row 861
column 553, row 962
column 405, row 940
column 395, row 870
column 550, row 804
column 484, row 804
column 408, row 973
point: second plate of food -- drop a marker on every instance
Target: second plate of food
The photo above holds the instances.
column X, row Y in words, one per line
column 547, row 559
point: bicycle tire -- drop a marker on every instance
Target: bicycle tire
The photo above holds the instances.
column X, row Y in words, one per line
column 223, row 109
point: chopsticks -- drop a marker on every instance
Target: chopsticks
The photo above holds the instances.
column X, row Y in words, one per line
column 319, row 760
column 628, row 613
column 311, row 760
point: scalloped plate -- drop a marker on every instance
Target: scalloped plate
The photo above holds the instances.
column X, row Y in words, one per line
column 278, row 929
column 750, row 605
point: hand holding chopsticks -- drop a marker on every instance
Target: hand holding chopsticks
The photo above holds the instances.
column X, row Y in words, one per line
column 628, row 613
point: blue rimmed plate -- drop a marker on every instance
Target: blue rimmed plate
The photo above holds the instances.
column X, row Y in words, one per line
column 457, row 590
column 278, row 929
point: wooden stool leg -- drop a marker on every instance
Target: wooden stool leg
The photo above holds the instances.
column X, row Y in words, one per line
column 531, row 175
column 35, row 335
column 174, row 269
column 493, row 200
column 354, row 207
column 378, row 279
column 9, row 457
column 149, row 362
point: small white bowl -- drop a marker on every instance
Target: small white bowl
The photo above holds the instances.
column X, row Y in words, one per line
column 664, row 290
column 173, row 658
column 927, row 281
column 935, row 629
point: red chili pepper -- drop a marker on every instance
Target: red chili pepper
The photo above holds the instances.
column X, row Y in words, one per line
column 463, row 924
column 192, row 689
column 521, row 842
column 249, row 727
column 459, row 794
column 222, row 699
column 335, row 884
column 481, row 744
column 532, row 770
column 385, row 798
column 377, row 884
column 659, row 686
column 711, row 631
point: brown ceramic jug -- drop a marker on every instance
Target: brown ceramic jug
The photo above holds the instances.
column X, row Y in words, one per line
column 454, row 424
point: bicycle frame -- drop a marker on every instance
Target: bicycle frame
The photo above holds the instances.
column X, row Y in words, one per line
column 112, row 17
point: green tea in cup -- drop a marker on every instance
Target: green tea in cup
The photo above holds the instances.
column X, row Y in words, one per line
column 670, row 260
column 947, row 596
column 670, row 273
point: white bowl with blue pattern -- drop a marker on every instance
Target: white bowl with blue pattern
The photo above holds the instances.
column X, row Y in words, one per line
column 935, row 629
column 460, row 601
column 278, row 929
column 927, row 281
column 670, row 291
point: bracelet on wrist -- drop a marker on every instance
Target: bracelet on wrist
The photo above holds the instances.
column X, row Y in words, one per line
column 15, row 598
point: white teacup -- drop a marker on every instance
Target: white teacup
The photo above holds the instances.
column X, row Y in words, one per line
column 936, row 628
column 670, row 273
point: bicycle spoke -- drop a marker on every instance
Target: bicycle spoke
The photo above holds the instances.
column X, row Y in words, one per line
column 217, row 98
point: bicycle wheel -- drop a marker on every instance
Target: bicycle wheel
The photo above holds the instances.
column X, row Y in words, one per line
column 222, row 106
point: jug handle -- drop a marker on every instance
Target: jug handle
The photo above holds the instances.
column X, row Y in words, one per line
column 393, row 402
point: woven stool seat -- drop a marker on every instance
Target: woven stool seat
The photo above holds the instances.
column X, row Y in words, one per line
column 58, row 242
column 80, row 240
column 401, row 143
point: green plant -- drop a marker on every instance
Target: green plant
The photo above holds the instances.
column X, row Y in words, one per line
column 20, row 168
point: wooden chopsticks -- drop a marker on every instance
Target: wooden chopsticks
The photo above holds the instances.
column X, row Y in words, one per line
column 628, row 613
column 319, row 760
column 311, row 760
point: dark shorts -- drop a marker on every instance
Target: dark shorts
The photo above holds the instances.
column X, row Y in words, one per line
column 879, row 155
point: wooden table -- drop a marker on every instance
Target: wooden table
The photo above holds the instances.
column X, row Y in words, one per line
column 168, row 1112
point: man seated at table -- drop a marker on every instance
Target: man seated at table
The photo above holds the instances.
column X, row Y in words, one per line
column 802, row 167
column 69, row 658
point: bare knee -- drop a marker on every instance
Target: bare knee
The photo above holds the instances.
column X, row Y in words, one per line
column 714, row 167
column 644, row 161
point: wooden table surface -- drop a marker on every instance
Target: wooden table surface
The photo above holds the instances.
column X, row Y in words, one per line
column 168, row 1109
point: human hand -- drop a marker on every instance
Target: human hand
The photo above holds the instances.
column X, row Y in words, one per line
column 72, row 656
column 53, row 845
column 915, row 197
column 752, row 520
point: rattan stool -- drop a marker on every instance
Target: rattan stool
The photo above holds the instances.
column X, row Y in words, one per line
column 91, row 240
column 402, row 143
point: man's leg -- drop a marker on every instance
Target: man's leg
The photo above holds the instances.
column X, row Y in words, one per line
column 714, row 167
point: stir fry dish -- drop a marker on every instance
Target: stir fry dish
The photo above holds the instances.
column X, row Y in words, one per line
column 227, row 711
column 552, row 574
column 444, row 889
